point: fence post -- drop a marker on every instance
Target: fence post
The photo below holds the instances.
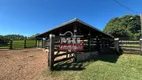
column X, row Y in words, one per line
column 11, row 43
column 116, row 43
column 42, row 43
column 24, row 43
column 140, row 45
column 36, row 43
column 51, row 51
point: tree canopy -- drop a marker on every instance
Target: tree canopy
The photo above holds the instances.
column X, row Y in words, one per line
column 125, row 27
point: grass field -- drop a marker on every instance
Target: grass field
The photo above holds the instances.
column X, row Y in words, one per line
column 125, row 67
column 19, row 44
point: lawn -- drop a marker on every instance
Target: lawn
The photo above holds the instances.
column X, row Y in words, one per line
column 124, row 67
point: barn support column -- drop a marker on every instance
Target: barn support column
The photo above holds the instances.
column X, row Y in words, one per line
column 89, row 42
column 42, row 43
column 98, row 44
column 36, row 42
column 104, row 43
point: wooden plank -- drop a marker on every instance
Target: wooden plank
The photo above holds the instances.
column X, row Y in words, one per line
column 125, row 49
column 64, row 59
column 63, row 54
column 130, row 46
column 132, row 51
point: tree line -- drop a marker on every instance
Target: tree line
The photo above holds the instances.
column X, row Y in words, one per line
column 125, row 27
column 4, row 39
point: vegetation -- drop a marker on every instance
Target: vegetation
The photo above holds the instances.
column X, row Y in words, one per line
column 124, row 67
column 15, row 37
column 18, row 37
column 126, row 27
column 19, row 44
column 18, row 41
column 3, row 40
column 33, row 37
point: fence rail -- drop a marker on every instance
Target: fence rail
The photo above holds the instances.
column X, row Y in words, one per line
column 129, row 46
column 18, row 44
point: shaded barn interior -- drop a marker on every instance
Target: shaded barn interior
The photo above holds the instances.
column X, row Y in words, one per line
column 94, row 40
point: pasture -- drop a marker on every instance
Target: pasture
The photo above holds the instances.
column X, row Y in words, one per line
column 31, row 64
column 19, row 44
column 105, row 67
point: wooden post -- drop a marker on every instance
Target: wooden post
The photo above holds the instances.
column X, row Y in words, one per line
column 11, row 43
column 24, row 43
column 117, row 44
column 42, row 43
column 98, row 44
column 141, row 34
column 140, row 45
column 36, row 42
column 51, row 51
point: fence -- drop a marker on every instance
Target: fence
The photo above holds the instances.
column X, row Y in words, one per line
column 18, row 44
column 130, row 46
column 127, row 46
column 91, row 46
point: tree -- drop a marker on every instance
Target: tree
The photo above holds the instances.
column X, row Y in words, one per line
column 33, row 37
column 3, row 40
column 127, row 27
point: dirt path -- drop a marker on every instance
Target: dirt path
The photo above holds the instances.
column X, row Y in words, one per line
column 24, row 64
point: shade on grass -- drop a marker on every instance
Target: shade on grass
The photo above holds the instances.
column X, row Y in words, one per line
column 127, row 67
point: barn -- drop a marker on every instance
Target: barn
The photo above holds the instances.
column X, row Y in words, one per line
column 75, row 39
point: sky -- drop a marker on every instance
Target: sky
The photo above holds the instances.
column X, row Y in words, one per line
column 28, row 17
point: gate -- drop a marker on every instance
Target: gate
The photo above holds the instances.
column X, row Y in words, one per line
column 59, row 50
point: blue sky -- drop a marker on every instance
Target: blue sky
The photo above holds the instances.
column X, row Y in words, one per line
column 28, row 17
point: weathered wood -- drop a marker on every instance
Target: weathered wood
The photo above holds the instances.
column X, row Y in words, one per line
column 42, row 45
column 24, row 43
column 36, row 42
column 141, row 44
column 128, row 42
column 11, row 44
column 64, row 59
column 130, row 46
column 126, row 49
column 63, row 54
column 51, row 51
column 117, row 44
column 98, row 44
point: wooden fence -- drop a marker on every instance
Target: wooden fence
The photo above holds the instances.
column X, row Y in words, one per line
column 130, row 46
column 90, row 45
column 18, row 44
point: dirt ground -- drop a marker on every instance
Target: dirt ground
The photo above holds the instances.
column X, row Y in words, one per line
column 24, row 64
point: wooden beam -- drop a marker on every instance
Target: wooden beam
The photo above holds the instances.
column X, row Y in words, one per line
column 51, row 51
column 64, row 59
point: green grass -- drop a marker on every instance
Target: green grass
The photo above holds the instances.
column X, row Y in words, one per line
column 30, row 43
column 19, row 44
column 4, row 46
column 125, row 67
